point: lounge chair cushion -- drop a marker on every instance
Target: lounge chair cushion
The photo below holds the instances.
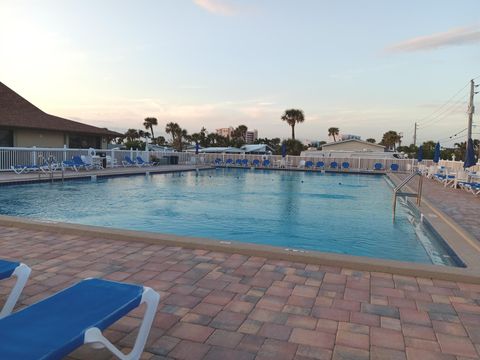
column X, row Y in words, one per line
column 7, row 268
column 54, row 327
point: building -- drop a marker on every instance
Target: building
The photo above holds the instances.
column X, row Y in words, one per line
column 352, row 145
column 251, row 136
column 22, row 124
column 225, row 132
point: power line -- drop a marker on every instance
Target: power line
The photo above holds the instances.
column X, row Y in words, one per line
column 454, row 135
column 445, row 113
column 444, row 104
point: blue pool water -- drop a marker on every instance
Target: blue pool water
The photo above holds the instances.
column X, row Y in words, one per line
column 340, row 213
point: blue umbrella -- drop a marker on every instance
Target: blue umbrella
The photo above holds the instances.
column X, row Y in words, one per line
column 284, row 150
column 197, row 147
column 470, row 155
column 420, row 153
column 436, row 155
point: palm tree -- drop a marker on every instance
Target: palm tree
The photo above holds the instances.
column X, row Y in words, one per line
column 293, row 117
column 333, row 131
column 390, row 140
column 131, row 134
column 149, row 122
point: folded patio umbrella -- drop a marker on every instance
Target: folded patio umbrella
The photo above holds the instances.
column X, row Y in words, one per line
column 436, row 155
column 469, row 155
column 420, row 153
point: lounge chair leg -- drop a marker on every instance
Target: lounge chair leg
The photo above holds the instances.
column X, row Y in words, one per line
column 95, row 337
column 22, row 272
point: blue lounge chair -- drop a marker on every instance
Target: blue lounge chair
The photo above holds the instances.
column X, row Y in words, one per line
column 245, row 162
column 229, row 162
column 345, row 165
column 256, row 162
column 394, row 167
column 218, row 161
column 266, row 163
column 79, row 163
column 333, row 165
column 308, row 164
column 54, row 327
column 378, row 166
column 238, row 162
column 320, row 165
column 128, row 161
column 21, row 272
column 140, row 162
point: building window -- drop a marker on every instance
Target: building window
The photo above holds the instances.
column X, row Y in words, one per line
column 84, row 142
column 6, row 138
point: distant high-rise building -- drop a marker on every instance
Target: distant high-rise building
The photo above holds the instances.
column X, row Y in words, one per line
column 251, row 136
column 225, row 132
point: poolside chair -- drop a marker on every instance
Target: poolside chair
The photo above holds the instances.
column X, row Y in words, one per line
column 229, row 162
column 218, row 161
column 128, row 161
column 78, row 163
column 140, row 162
column 245, row 162
column 256, row 162
column 320, row 165
column 238, row 162
column 18, row 169
column 345, row 165
column 59, row 324
column 266, row 163
column 333, row 165
column 21, row 272
column 472, row 187
column 378, row 166
column 394, row 167
column 308, row 164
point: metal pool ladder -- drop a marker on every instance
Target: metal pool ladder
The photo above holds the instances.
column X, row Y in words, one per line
column 418, row 194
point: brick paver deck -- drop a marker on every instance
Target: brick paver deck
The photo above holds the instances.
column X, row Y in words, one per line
column 224, row 306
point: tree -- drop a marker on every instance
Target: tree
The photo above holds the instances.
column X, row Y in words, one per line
column 149, row 123
column 333, row 131
column 177, row 134
column 293, row 117
column 390, row 139
column 294, row 147
column 239, row 136
column 371, row 140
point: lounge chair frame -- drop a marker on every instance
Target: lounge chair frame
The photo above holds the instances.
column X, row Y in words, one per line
column 95, row 337
column 21, row 272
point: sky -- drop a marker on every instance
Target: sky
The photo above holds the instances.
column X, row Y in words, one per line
column 364, row 66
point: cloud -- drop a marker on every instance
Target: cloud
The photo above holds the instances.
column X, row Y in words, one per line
column 217, row 7
column 453, row 37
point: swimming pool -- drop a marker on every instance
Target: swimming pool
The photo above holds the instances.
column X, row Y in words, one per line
column 339, row 213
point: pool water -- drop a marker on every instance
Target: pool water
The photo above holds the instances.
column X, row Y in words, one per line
column 338, row 213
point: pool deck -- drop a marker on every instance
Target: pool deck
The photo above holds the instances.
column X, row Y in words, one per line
column 7, row 177
column 217, row 303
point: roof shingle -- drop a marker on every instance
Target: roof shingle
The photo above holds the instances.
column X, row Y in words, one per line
column 17, row 112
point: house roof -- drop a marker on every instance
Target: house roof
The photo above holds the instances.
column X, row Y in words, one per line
column 352, row 140
column 17, row 112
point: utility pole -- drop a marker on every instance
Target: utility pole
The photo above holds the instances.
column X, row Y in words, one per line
column 471, row 111
column 415, row 135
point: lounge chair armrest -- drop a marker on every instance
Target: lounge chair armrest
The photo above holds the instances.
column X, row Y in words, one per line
column 95, row 336
column 22, row 272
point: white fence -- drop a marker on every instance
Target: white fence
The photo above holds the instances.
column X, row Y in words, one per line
column 361, row 164
column 10, row 156
column 38, row 156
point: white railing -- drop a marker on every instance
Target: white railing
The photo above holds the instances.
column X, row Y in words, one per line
column 361, row 164
column 12, row 156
